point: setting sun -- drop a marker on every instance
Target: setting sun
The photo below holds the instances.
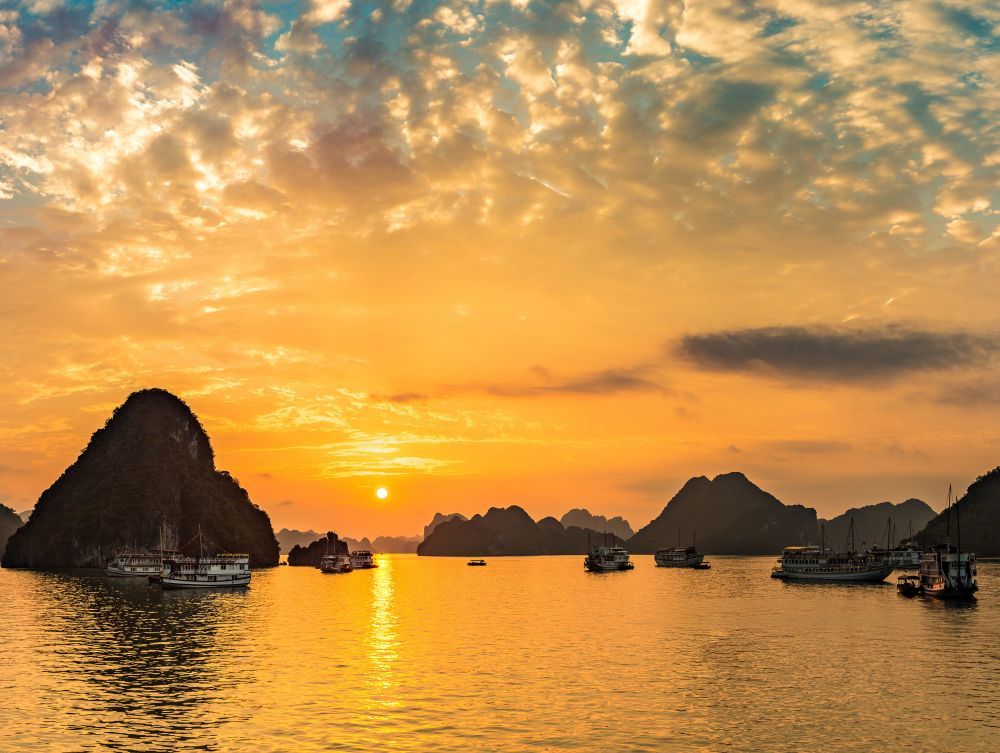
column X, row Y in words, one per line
column 382, row 492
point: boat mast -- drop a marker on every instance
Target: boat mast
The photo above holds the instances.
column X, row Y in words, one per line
column 850, row 538
column 947, row 537
column 822, row 538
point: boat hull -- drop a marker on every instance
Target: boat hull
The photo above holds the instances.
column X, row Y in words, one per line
column 114, row 572
column 872, row 575
column 600, row 568
column 240, row 581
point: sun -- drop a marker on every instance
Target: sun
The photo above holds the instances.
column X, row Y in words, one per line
column 381, row 492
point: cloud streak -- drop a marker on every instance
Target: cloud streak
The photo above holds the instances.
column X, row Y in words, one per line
column 834, row 354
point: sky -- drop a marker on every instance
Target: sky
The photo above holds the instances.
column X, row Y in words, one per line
column 547, row 253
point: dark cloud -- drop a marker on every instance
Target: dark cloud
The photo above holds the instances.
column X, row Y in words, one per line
column 606, row 382
column 401, row 397
column 834, row 354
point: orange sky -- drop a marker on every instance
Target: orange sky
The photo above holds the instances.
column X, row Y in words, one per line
column 506, row 253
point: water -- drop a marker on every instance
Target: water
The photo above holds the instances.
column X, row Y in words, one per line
column 526, row 654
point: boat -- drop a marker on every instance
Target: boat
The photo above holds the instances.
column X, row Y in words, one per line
column 363, row 560
column 817, row 563
column 134, row 565
column 224, row 570
column 678, row 556
column 476, row 563
column 903, row 556
column 681, row 556
column 908, row 585
column 336, row 563
column 605, row 558
column 945, row 570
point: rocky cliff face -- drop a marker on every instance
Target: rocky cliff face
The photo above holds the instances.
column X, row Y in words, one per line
column 730, row 515
column 440, row 518
column 150, row 468
column 10, row 521
column 309, row 556
column 871, row 521
column 973, row 523
column 506, row 531
column 584, row 519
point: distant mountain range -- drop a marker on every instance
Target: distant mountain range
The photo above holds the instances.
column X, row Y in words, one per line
column 288, row 538
column 584, row 519
column 871, row 522
column 973, row 522
column 506, row 531
column 730, row 515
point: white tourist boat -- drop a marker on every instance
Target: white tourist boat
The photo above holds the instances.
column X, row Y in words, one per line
column 363, row 560
column 906, row 556
column 336, row 563
column 603, row 559
column 813, row 563
column 221, row 571
column 134, row 565
column 680, row 556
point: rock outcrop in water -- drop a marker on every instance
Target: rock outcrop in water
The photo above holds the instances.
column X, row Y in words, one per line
column 584, row 519
column 973, row 522
column 151, row 464
column 506, row 531
column 10, row 521
column 870, row 524
column 309, row 556
column 730, row 515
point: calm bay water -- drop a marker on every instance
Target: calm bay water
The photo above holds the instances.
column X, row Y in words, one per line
column 529, row 653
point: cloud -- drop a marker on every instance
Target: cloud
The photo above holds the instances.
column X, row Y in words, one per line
column 834, row 354
column 809, row 446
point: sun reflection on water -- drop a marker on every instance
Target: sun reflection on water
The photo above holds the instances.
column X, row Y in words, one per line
column 381, row 640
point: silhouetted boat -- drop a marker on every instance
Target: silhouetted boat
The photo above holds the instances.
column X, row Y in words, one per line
column 945, row 570
column 363, row 560
column 681, row 556
column 476, row 563
column 336, row 563
column 908, row 585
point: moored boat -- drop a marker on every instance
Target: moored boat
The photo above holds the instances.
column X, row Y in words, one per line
column 134, row 565
column 678, row 556
column 948, row 573
column 363, row 560
column 476, row 563
column 336, row 563
column 813, row 563
column 908, row 585
column 945, row 570
column 221, row 571
column 905, row 556
column 604, row 559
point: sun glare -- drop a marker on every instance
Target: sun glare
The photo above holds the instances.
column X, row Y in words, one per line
column 382, row 492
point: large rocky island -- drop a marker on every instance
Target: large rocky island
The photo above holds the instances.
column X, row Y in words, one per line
column 10, row 521
column 506, row 531
column 150, row 466
column 730, row 515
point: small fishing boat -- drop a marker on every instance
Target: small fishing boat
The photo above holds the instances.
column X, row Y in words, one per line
column 336, row 563
column 476, row 563
column 908, row 585
column 363, row 560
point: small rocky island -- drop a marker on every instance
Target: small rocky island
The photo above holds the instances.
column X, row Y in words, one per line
column 310, row 556
column 150, row 467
